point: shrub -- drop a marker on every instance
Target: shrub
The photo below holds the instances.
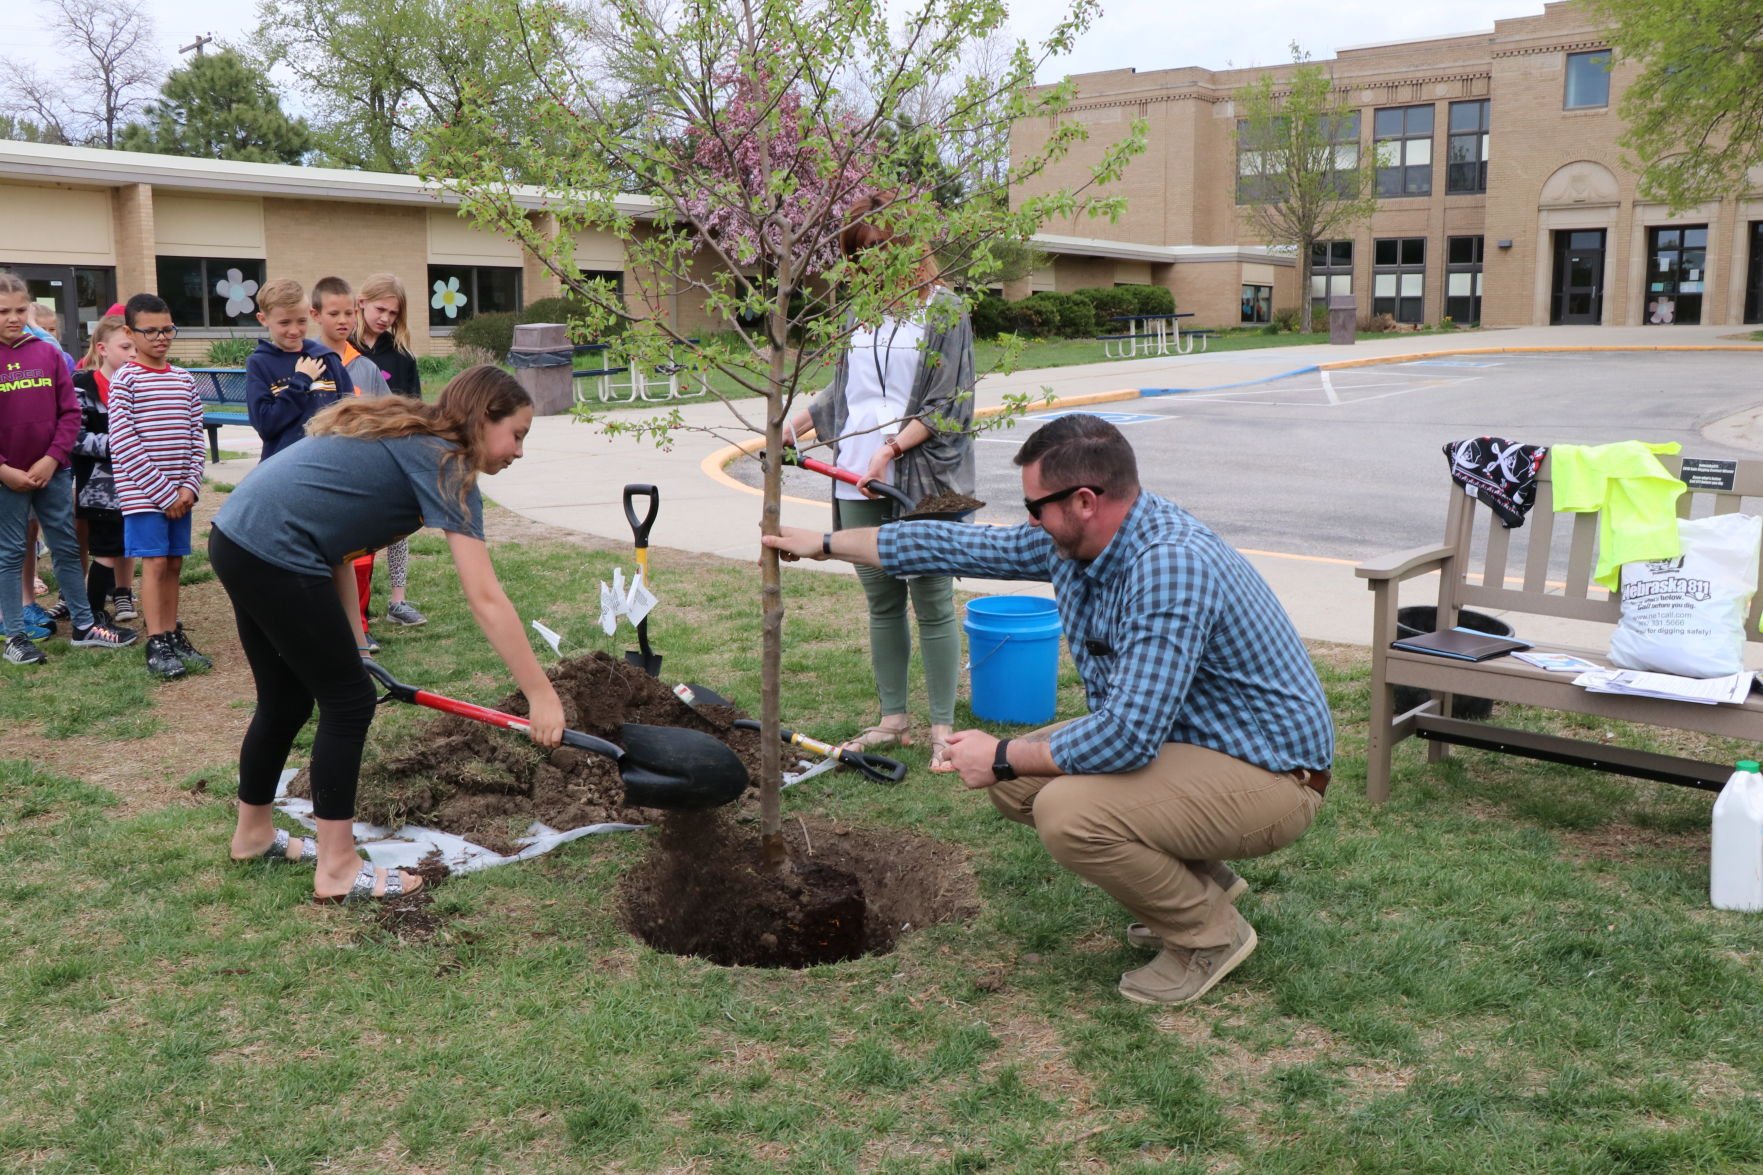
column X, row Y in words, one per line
column 467, row 355
column 1270, row 328
column 988, row 314
column 229, row 352
column 1109, row 302
column 1378, row 324
column 1151, row 299
column 1287, row 319
column 492, row 332
column 552, row 310
column 1035, row 317
column 1076, row 316
column 433, row 367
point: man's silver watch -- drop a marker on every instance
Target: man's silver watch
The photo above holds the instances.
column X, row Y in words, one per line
column 1001, row 769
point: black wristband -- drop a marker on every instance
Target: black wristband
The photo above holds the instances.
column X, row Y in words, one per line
column 826, row 543
column 1001, row 769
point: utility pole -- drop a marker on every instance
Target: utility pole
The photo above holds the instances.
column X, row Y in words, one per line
column 201, row 40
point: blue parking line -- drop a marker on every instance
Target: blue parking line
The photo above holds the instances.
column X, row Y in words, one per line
column 1247, row 383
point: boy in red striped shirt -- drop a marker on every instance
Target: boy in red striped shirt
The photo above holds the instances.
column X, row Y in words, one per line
column 158, row 455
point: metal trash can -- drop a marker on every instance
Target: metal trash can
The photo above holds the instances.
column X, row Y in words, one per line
column 1343, row 320
column 1422, row 620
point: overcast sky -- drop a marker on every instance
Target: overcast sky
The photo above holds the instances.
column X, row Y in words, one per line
column 1144, row 34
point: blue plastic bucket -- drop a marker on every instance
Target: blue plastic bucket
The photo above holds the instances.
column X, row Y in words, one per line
column 1013, row 648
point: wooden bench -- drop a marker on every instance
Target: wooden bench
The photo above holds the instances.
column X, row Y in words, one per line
column 1484, row 566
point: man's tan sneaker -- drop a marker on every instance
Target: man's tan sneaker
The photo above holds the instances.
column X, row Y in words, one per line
column 1179, row 976
column 1139, row 935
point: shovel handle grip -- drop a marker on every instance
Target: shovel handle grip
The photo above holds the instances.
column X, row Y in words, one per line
column 640, row 526
column 849, row 478
column 477, row 713
column 877, row 767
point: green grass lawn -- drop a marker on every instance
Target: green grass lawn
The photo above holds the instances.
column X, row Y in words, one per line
column 1511, row 967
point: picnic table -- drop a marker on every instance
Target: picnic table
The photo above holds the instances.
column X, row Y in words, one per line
column 639, row 385
column 1151, row 334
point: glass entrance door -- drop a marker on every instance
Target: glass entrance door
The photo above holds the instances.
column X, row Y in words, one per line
column 79, row 294
column 1579, row 276
column 1675, row 277
column 1754, row 278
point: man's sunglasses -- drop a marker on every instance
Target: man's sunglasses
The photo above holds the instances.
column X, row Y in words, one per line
column 1033, row 505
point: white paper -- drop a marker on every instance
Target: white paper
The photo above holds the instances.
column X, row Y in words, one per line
column 1731, row 690
column 555, row 640
column 639, row 602
column 610, row 606
column 1558, row 662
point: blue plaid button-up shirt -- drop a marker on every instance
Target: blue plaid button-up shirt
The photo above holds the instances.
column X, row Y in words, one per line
column 1177, row 638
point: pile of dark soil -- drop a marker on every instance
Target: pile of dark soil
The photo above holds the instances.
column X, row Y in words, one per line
column 947, row 504
column 490, row 785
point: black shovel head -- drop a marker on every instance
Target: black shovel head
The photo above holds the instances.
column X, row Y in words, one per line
column 678, row 770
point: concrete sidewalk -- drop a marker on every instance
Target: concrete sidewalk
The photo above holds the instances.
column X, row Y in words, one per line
column 573, row 475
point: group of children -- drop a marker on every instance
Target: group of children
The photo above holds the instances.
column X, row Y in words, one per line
column 107, row 455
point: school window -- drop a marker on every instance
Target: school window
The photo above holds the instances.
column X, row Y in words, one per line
column 1257, row 303
column 211, row 291
column 1463, row 279
column 1466, row 156
column 1331, row 271
column 1398, row 278
column 1588, row 80
column 458, row 292
column 1403, row 137
column 1260, row 162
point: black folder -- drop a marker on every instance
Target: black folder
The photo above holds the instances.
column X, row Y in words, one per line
column 1460, row 644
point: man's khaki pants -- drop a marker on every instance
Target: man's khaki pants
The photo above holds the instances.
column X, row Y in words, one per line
column 1149, row 837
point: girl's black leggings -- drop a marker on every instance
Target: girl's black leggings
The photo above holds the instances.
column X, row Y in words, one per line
column 302, row 650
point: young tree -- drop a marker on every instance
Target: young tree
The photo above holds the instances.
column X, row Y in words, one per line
column 378, row 74
column 1301, row 176
column 23, row 130
column 1695, row 113
column 111, row 67
column 218, row 106
column 751, row 148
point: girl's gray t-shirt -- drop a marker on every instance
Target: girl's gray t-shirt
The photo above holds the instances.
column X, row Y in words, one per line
column 329, row 499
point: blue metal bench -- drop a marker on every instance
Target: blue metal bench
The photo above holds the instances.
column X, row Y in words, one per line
column 222, row 392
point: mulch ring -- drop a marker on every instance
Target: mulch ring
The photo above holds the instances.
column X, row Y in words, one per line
column 490, row 786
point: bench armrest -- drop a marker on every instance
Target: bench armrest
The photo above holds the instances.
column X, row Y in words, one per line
column 1402, row 565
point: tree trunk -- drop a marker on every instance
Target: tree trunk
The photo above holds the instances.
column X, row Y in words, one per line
column 1306, row 312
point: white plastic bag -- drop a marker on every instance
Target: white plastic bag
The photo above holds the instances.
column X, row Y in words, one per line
column 1687, row 615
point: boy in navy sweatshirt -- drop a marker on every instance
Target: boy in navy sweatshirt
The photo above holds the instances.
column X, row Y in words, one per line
column 39, row 422
column 289, row 378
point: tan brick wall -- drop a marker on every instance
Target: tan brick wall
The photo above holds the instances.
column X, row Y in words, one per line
column 1182, row 190
column 136, row 271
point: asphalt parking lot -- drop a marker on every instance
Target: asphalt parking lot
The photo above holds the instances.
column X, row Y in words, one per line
column 1347, row 464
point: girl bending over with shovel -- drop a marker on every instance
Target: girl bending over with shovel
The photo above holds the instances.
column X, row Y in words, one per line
column 371, row 472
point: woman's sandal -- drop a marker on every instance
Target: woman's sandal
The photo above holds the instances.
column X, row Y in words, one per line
column 362, row 888
column 278, row 851
column 939, row 756
column 871, row 737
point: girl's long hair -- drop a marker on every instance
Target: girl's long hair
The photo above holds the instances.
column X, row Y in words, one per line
column 475, row 397
column 101, row 330
column 384, row 285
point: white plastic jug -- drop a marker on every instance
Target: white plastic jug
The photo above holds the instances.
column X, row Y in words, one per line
column 1735, row 880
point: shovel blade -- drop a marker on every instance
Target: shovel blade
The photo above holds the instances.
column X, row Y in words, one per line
column 649, row 663
column 678, row 770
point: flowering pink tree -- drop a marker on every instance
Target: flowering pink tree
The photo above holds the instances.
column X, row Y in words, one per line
column 721, row 141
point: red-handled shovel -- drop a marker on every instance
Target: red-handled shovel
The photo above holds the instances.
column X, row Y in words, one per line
column 881, row 487
column 661, row 766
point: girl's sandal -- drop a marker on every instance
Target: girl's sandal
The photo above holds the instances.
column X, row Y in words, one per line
column 939, row 756
column 278, row 851
column 871, row 737
column 362, row 888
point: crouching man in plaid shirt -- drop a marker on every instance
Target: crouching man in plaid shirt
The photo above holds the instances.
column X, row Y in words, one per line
column 1208, row 737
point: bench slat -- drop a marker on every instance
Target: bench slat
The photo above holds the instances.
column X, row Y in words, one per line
column 1541, row 524
column 1499, row 545
column 1579, row 557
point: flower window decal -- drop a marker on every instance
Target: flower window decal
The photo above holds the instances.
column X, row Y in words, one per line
column 448, row 299
column 239, row 292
